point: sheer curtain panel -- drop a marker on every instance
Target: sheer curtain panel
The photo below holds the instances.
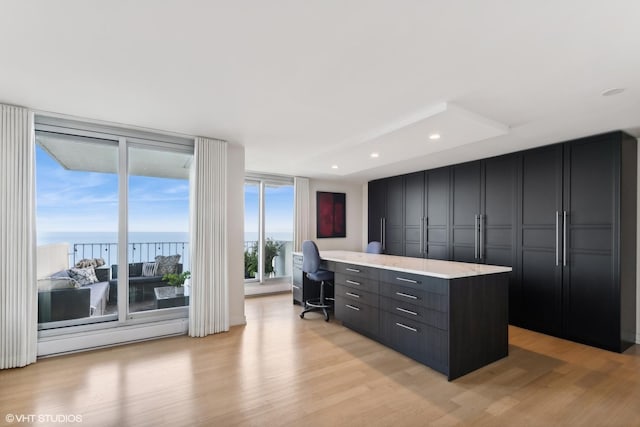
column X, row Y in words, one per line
column 209, row 312
column 301, row 212
column 18, row 293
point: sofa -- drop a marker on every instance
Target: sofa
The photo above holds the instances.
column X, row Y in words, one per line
column 141, row 285
column 60, row 298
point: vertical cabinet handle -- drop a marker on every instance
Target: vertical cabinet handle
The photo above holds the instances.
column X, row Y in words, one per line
column 564, row 238
column 475, row 237
column 421, row 235
column 384, row 234
column 557, row 239
column 426, row 235
column 481, row 226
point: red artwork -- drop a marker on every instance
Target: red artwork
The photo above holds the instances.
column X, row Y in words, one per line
column 331, row 217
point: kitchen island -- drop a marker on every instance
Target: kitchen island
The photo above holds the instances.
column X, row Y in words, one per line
column 450, row 316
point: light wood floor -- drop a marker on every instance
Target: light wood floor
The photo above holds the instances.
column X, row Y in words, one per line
column 281, row 370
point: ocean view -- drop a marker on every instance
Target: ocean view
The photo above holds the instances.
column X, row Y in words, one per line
column 143, row 246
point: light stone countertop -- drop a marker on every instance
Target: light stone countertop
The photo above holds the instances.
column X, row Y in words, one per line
column 425, row 267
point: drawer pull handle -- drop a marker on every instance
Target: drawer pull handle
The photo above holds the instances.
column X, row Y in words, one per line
column 404, row 310
column 406, row 327
column 353, row 270
column 297, row 287
column 351, row 282
column 353, row 295
column 402, row 279
column 352, row 307
column 402, row 294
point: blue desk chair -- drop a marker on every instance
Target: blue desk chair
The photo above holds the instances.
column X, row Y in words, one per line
column 374, row 247
column 311, row 266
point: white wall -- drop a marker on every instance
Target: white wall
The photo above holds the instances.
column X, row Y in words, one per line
column 354, row 211
column 235, row 233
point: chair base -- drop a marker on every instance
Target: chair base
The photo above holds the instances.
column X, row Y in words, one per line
column 321, row 303
column 313, row 305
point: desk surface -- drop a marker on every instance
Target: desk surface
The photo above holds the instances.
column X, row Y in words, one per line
column 425, row 267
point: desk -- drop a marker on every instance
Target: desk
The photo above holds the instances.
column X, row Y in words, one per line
column 450, row 316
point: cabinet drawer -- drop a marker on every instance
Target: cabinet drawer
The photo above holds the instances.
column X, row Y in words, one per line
column 355, row 282
column 411, row 295
column 357, row 295
column 356, row 270
column 421, row 342
column 413, row 312
column 297, row 261
column 416, row 281
column 357, row 316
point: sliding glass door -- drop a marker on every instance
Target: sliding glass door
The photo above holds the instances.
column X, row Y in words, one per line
column 268, row 228
column 107, row 200
column 77, row 227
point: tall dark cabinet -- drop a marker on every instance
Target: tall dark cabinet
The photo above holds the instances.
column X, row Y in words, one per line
column 536, row 300
column 377, row 195
column 436, row 213
column 385, row 216
column 414, row 218
column 483, row 211
column 563, row 216
column 465, row 212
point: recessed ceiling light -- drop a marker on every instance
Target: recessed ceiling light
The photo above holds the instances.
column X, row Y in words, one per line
column 612, row 91
column 334, row 166
column 374, row 155
column 434, row 136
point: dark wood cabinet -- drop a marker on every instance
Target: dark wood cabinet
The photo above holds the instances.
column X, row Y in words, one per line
column 573, row 225
column 436, row 210
column 394, row 224
column 452, row 325
column 595, row 274
column 465, row 212
column 377, row 195
column 414, row 215
column 386, row 207
column 483, row 214
column 536, row 298
column 563, row 216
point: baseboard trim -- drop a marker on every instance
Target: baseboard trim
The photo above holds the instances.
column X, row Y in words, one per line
column 238, row 320
column 82, row 341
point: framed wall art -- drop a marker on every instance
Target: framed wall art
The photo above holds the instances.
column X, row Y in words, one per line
column 331, row 214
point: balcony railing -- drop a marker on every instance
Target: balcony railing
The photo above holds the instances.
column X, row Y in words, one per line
column 136, row 252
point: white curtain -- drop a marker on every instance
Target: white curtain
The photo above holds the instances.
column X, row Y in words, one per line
column 18, row 292
column 209, row 311
column 301, row 212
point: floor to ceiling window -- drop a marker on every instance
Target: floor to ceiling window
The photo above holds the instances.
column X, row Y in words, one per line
column 268, row 229
column 109, row 197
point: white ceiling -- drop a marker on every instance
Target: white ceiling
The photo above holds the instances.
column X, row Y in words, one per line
column 303, row 85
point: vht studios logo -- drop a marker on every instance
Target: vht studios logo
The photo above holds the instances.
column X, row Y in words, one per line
column 43, row 418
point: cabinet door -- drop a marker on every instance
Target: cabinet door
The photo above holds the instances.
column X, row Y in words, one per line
column 377, row 209
column 465, row 203
column 591, row 297
column 413, row 214
column 536, row 302
column 394, row 230
column 437, row 213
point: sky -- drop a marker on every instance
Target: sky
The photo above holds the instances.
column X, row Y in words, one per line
column 278, row 209
column 88, row 201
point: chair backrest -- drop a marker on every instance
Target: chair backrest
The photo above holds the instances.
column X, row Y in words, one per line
column 310, row 257
column 374, row 248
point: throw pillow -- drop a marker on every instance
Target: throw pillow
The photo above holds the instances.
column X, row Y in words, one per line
column 149, row 269
column 166, row 264
column 84, row 276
